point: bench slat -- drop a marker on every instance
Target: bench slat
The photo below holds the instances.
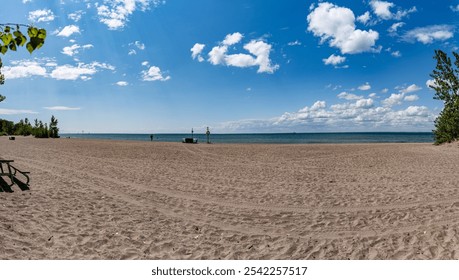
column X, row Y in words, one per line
column 11, row 171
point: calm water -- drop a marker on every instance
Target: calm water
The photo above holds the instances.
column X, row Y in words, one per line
column 276, row 138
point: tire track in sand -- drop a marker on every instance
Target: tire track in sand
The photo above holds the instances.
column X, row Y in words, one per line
column 181, row 213
column 251, row 206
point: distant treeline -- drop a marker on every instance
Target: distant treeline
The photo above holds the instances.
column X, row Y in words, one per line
column 25, row 128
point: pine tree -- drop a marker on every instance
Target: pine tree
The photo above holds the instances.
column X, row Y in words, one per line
column 53, row 129
column 446, row 86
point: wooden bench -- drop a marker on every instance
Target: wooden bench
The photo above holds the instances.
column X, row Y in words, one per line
column 6, row 169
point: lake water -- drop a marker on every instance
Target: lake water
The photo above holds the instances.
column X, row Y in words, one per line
column 275, row 138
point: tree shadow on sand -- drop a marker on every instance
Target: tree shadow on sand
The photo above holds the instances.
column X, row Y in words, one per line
column 4, row 186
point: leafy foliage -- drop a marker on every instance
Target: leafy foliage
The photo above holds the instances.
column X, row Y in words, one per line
column 6, row 127
column 2, row 80
column 11, row 38
column 25, row 128
column 53, row 129
column 446, row 86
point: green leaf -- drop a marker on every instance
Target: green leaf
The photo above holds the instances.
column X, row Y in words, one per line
column 38, row 46
column 29, row 47
column 3, row 49
column 32, row 31
column 7, row 29
column 36, row 42
column 18, row 41
column 9, row 38
column 42, row 34
column 6, row 38
column 12, row 46
column 21, row 40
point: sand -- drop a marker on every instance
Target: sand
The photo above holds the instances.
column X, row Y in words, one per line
column 96, row 199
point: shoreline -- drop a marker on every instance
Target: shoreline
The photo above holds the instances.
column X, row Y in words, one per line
column 105, row 199
column 225, row 143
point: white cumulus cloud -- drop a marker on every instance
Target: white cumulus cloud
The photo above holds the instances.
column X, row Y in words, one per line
column 363, row 114
column 334, row 60
column 383, row 10
column 365, row 86
column 394, row 27
column 218, row 55
column 337, row 26
column 258, row 54
column 261, row 51
column 318, row 105
column 24, row 69
column 154, row 74
column 396, row 54
column 364, row 103
column 349, row 96
column 122, row 83
column 50, row 69
column 294, row 43
column 138, row 45
column 429, row 34
column 365, row 18
column 115, row 13
column 80, row 71
column 232, row 39
column 410, row 88
column 196, row 51
column 68, row 30
column 240, row 60
column 393, row 99
column 76, row 16
column 74, row 49
column 398, row 98
column 411, row 98
column 41, row 16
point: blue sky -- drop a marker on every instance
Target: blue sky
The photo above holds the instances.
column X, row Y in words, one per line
column 151, row 66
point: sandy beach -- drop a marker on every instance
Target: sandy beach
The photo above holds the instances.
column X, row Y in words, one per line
column 95, row 199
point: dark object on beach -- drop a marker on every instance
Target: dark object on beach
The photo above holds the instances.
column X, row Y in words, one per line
column 208, row 135
column 151, row 137
column 12, row 138
column 8, row 170
column 190, row 140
